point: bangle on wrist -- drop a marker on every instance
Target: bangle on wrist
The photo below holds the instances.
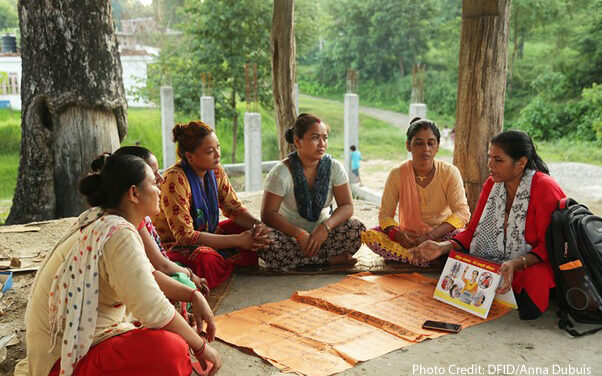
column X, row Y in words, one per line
column 299, row 235
column 326, row 226
column 190, row 271
column 199, row 352
column 192, row 294
column 524, row 262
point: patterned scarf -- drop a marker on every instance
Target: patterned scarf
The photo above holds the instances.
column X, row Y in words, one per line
column 310, row 202
column 489, row 240
column 73, row 300
column 204, row 209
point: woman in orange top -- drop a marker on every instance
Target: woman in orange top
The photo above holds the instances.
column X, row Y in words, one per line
column 427, row 194
column 194, row 190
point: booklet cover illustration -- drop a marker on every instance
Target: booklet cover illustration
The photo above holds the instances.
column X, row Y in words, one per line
column 469, row 283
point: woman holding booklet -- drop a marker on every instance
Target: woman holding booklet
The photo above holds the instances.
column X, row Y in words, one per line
column 510, row 222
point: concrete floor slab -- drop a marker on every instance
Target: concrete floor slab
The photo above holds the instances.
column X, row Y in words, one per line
column 506, row 346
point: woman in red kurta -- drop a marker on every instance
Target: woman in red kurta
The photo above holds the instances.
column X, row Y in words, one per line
column 510, row 222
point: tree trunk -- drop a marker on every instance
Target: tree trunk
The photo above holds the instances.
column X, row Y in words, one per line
column 73, row 103
column 283, row 69
column 234, row 123
column 481, row 89
column 514, row 49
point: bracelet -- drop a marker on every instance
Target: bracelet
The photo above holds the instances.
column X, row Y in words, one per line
column 326, row 226
column 190, row 271
column 524, row 262
column 198, row 353
column 192, row 294
column 255, row 225
column 392, row 233
column 299, row 235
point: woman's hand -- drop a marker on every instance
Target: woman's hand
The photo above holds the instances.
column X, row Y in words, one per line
column 407, row 239
column 202, row 313
column 200, row 283
column 425, row 252
column 209, row 355
column 261, row 236
column 304, row 243
column 317, row 237
column 507, row 271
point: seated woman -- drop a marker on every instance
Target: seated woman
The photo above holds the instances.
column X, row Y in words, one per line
column 152, row 243
column 296, row 204
column 510, row 222
column 194, row 190
column 428, row 195
column 75, row 319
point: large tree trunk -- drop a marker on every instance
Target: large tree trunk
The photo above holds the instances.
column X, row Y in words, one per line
column 234, row 123
column 73, row 103
column 481, row 88
column 283, row 69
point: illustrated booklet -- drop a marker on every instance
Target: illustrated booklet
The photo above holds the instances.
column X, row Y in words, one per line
column 470, row 283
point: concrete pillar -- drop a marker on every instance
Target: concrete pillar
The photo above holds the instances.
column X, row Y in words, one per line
column 208, row 110
column 296, row 98
column 417, row 109
column 253, row 177
column 167, row 124
column 351, row 125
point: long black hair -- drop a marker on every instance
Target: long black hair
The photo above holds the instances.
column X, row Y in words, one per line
column 518, row 144
column 112, row 176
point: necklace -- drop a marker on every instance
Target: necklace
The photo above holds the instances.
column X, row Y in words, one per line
column 421, row 179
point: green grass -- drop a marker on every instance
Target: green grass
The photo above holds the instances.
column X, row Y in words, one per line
column 567, row 150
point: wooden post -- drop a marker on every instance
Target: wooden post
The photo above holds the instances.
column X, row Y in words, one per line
column 283, row 69
column 481, row 88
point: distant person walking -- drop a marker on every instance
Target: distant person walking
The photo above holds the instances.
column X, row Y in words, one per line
column 356, row 157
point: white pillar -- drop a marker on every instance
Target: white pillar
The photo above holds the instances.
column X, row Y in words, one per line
column 296, row 98
column 351, row 125
column 253, row 177
column 208, row 111
column 167, row 124
column 417, row 109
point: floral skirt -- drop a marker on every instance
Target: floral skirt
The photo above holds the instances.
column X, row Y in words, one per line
column 378, row 241
column 284, row 254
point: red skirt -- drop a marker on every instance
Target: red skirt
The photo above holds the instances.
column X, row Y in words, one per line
column 147, row 352
column 536, row 280
column 209, row 263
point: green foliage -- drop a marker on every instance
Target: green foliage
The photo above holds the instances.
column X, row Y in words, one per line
column 379, row 38
column 9, row 18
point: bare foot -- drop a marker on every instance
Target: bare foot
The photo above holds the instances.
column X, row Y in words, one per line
column 342, row 259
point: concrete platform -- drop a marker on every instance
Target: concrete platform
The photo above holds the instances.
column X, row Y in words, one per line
column 523, row 348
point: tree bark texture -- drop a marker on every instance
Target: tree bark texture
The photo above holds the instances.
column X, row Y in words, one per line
column 481, row 91
column 73, row 103
column 234, row 122
column 283, row 70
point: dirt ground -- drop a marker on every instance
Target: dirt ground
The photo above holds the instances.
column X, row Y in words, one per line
column 506, row 341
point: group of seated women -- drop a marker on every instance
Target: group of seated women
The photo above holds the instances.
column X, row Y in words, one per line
column 151, row 239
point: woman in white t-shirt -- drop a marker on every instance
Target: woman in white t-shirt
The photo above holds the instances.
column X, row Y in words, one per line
column 297, row 200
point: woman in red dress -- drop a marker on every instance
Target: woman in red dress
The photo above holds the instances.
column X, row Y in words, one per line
column 510, row 222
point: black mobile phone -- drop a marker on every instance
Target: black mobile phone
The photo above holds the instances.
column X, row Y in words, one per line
column 443, row 326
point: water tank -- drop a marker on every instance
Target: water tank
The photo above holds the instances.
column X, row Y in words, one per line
column 9, row 43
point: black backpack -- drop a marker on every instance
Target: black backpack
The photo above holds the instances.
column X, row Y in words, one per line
column 574, row 242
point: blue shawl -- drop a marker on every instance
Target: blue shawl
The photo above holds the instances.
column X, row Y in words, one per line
column 310, row 202
column 204, row 207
